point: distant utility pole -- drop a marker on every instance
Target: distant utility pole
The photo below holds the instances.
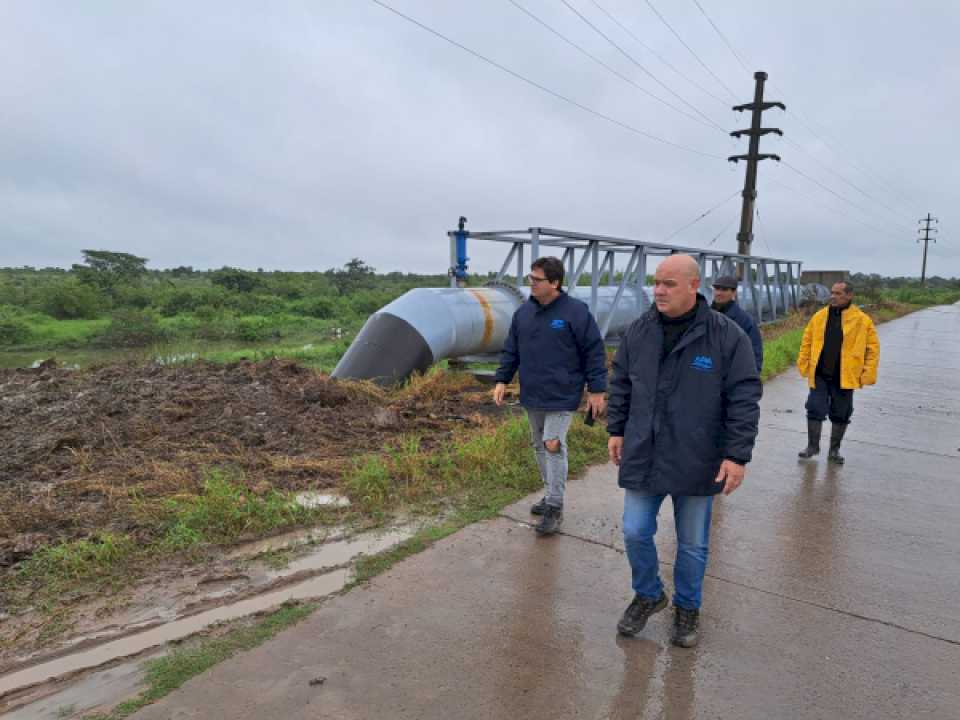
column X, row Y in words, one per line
column 926, row 230
column 753, row 156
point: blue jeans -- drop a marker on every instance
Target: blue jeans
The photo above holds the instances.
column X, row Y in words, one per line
column 691, row 515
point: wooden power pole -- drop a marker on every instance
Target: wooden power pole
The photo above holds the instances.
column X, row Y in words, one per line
column 926, row 230
column 753, row 156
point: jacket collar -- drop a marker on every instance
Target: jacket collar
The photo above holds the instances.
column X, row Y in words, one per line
column 536, row 303
column 696, row 330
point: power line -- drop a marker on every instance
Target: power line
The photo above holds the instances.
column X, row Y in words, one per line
column 641, row 66
column 856, row 187
column 839, row 211
column 689, row 49
column 725, row 228
column 543, row 88
column 805, row 123
column 763, row 231
column 828, row 189
column 610, row 68
column 722, row 37
column 701, row 216
column 658, row 56
column 877, row 178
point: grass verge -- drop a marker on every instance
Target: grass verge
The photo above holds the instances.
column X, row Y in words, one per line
column 223, row 513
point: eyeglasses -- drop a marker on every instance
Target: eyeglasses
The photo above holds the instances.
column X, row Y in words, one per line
column 535, row 279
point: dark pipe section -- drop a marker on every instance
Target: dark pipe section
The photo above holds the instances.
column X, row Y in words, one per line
column 387, row 350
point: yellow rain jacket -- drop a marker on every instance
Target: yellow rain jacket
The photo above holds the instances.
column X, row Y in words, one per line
column 859, row 354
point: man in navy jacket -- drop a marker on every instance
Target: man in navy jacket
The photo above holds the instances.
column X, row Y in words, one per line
column 725, row 301
column 682, row 418
column 556, row 344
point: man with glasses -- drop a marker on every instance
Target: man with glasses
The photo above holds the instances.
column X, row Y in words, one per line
column 556, row 344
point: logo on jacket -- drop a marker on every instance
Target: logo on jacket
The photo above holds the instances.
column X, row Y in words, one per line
column 558, row 324
column 703, row 363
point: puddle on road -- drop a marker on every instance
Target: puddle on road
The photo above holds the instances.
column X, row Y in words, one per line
column 177, row 630
column 97, row 692
column 324, row 557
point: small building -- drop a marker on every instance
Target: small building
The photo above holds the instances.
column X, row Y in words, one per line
column 824, row 277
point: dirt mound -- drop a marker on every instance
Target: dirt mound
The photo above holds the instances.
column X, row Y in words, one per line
column 80, row 447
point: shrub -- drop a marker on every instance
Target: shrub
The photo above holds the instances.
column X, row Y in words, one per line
column 256, row 304
column 368, row 302
column 322, row 308
column 71, row 300
column 235, row 279
column 256, row 329
column 132, row 328
column 132, row 296
column 13, row 329
column 177, row 301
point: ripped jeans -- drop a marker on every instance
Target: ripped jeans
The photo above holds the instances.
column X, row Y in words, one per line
column 546, row 425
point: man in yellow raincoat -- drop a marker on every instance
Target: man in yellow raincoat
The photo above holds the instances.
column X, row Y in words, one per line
column 839, row 353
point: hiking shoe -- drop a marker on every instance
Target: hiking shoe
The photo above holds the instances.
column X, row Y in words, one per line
column 539, row 507
column 686, row 627
column 551, row 521
column 638, row 612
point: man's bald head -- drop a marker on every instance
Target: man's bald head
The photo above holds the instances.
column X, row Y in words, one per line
column 681, row 264
column 676, row 284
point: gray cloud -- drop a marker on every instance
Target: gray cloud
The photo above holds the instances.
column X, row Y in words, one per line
column 300, row 134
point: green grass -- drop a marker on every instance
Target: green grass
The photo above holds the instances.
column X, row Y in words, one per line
column 780, row 353
column 319, row 356
column 46, row 333
column 166, row 674
column 226, row 512
column 58, row 568
column 923, row 297
column 476, row 472
column 223, row 513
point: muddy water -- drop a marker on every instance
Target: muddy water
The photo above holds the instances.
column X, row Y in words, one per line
column 328, row 555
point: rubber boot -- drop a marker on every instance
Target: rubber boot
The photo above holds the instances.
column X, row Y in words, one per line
column 814, row 428
column 836, row 437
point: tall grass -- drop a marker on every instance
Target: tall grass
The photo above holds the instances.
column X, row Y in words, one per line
column 478, row 472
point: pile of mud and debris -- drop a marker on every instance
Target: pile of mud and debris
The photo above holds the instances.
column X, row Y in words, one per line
column 79, row 446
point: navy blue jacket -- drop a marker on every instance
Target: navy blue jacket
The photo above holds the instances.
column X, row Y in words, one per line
column 680, row 418
column 557, row 348
column 745, row 320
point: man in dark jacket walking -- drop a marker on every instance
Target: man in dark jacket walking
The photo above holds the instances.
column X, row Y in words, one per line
column 682, row 417
column 725, row 301
column 555, row 343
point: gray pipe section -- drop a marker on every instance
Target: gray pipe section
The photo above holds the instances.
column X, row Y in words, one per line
column 426, row 325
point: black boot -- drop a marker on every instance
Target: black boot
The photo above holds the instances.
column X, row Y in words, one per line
column 814, row 428
column 836, row 437
column 551, row 521
column 539, row 507
column 638, row 612
column 686, row 627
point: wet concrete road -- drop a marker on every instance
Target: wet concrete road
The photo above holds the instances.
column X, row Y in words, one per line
column 832, row 592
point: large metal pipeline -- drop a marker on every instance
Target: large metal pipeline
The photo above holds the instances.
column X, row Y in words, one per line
column 427, row 325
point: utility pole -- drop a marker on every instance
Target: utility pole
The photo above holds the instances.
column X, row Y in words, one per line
column 926, row 241
column 753, row 156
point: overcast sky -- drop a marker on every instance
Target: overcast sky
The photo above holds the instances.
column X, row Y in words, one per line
column 298, row 134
